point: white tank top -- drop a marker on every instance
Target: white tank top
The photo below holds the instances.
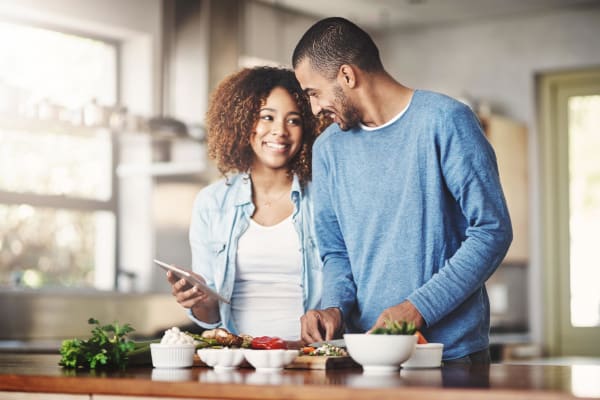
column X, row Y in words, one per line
column 267, row 295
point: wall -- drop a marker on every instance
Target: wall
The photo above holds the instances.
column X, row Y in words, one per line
column 270, row 34
column 497, row 61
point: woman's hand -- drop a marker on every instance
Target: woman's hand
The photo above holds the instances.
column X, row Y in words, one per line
column 203, row 306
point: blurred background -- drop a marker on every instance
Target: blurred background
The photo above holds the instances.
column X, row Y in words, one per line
column 102, row 147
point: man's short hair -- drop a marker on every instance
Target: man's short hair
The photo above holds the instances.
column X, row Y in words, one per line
column 332, row 42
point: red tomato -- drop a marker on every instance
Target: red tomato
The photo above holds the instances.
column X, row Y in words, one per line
column 267, row 343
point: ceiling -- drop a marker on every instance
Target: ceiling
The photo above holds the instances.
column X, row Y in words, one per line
column 386, row 14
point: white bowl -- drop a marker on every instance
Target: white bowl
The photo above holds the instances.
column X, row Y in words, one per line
column 427, row 355
column 224, row 358
column 172, row 355
column 270, row 360
column 380, row 353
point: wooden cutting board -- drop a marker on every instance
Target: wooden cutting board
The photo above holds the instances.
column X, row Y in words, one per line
column 323, row 362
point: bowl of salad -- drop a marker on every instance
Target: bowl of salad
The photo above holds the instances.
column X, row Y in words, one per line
column 384, row 349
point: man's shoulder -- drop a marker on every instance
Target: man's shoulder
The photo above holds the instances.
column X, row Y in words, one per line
column 327, row 135
column 438, row 101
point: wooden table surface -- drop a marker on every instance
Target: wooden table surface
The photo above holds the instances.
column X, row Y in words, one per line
column 40, row 373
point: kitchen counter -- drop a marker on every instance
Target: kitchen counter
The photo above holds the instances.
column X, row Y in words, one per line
column 40, row 373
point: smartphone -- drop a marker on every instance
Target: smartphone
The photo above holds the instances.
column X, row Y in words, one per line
column 191, row 279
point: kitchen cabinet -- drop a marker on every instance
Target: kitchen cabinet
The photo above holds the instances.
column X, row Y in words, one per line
column 509, row 140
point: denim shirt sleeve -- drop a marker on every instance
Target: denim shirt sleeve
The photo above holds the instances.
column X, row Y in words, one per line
column 200, row 247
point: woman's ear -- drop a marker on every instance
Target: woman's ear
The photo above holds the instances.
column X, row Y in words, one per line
column 347, row 76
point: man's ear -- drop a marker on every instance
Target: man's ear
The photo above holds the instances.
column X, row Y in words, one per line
column 347, row 76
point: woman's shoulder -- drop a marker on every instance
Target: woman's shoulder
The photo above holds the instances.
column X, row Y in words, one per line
column 218, row 192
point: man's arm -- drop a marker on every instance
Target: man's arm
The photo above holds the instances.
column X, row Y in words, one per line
column 470, row 170
column 339, row 290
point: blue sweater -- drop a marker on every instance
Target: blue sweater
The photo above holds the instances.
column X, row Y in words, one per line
column 412, row 210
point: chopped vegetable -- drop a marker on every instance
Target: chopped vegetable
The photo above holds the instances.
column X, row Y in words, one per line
column 396, row 328
column 267, row 343
column 108, row 347
column 325, row 350
column 420, row 338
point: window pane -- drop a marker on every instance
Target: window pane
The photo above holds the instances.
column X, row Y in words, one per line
column 66, row 69
column 56, row 163
column 54, row 248
column 584, row 170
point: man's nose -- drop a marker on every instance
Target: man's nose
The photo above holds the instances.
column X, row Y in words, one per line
column 315, row 106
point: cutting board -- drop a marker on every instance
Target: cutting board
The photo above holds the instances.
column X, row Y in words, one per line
column 323, row 362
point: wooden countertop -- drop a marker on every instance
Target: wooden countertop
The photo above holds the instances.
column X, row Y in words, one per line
column 41, row 373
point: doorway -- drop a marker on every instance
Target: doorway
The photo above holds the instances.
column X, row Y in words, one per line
column 570, row 165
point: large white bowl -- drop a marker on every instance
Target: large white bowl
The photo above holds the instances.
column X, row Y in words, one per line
column 224, row 358
column 270, row 360
column 380, row 353
column 172, row 355
column 427, row 355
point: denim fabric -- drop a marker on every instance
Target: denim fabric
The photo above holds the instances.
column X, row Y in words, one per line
column 221, row 215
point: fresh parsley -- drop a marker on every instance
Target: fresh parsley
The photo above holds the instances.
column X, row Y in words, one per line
column 108, row 348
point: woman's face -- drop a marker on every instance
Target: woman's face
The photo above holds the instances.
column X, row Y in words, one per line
column 277, row 136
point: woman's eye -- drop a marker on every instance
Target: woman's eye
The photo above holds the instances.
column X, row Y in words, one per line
column 266, row 117
column 294, row 121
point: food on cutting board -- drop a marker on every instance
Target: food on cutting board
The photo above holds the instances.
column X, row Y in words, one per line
column 268, row 343
column 325, row 350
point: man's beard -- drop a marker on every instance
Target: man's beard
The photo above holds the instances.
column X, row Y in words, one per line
column 349, row 116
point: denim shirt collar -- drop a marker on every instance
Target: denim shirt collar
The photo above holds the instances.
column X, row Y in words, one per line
column 243, row 194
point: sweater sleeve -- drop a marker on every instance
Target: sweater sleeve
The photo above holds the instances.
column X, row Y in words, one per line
column 339, row 289
column 469, row 168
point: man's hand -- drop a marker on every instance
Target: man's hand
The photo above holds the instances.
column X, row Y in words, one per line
column 319, row 325
column 404, row 311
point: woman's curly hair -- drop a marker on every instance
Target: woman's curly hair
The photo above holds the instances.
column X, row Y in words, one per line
column 233, row 113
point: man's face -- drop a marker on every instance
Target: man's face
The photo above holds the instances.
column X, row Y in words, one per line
column 327, row 96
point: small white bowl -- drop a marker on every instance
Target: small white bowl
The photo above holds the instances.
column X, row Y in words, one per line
column 380, row 353
column 224, row 358
column 270, row 360
column 172, row 355
column 427, row 355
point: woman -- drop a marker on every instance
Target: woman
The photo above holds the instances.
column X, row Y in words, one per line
column 252, row 233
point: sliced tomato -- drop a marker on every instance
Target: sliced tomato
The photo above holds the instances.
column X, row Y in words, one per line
column 267, row 343
column 420, row 338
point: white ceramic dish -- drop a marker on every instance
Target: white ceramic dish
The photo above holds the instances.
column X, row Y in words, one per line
column 172, row 355
column 224, row 358
column 270, row 360
column 380, row 353
column 427, row 355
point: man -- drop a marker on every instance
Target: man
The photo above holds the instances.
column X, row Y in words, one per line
column 410, row 215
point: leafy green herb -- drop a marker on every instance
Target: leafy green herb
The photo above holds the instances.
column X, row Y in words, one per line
column 396, row 328
column 108, row 348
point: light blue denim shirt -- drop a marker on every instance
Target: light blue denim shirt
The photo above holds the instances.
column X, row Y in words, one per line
column 220, row 216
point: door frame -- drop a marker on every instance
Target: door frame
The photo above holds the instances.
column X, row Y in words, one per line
column 554, row 88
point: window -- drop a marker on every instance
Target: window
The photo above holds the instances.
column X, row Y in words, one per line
column 57, row 199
